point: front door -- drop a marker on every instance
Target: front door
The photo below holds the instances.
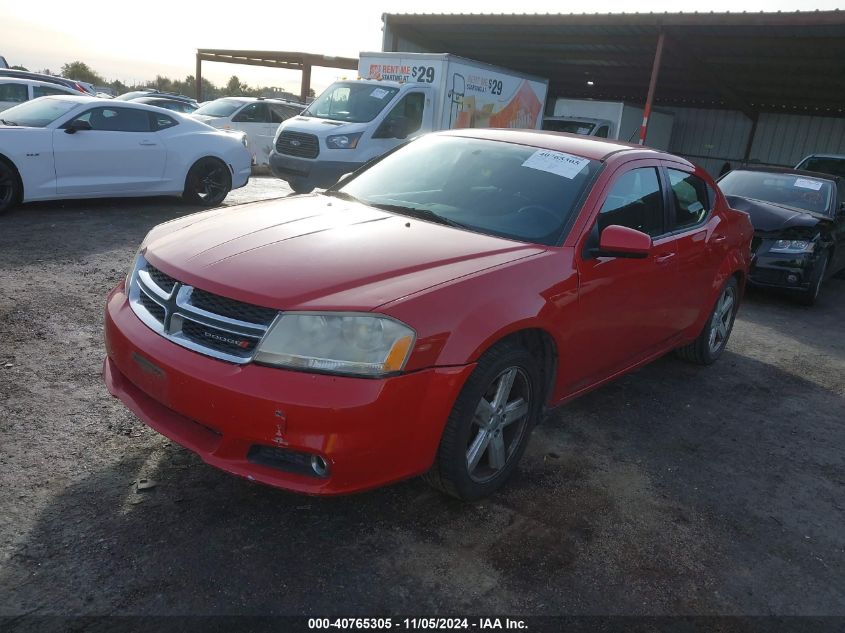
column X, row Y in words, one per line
column 120, row 154
column 410, row 117
column 625, row 305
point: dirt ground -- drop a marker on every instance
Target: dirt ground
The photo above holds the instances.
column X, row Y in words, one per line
column 674, row 490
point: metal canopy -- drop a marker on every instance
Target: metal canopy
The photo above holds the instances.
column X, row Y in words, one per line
column 752, row 62
column 272, row 59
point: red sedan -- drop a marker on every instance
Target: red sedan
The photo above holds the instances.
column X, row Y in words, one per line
column 418, row 317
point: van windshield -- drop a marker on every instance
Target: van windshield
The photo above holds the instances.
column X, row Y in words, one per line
column 354, row 102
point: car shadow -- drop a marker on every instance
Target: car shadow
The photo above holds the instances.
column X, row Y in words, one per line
column 676, row 489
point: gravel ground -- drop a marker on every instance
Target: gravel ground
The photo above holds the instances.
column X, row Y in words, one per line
column 674, row 490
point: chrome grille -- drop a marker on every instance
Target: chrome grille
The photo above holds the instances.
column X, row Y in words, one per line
column 298, row 144
column 210, row 324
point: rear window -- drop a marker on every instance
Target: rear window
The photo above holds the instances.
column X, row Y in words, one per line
column 824, row 165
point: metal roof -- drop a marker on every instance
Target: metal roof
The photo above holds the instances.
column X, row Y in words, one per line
column 786, row 62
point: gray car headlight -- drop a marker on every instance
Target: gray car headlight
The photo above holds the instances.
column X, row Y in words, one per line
column 345, row 343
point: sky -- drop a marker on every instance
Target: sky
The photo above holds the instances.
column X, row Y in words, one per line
column 135, row 42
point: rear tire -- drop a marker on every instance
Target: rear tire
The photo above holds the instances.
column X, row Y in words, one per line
column 10, row 186
column 809, row 296
column 490, row 423
column 208, row 183
column 710, row 344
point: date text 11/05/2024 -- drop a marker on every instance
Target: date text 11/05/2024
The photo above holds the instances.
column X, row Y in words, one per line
column 417, row 623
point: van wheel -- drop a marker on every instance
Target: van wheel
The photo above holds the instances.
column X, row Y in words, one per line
column 710, row 344
column 10, row 187
column 488, row 428
column 208, row 183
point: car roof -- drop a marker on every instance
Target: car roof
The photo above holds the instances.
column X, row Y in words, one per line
column 835, row 156
column 267, row 99
column 38, row 82
column 586, row 146
column 790, row 171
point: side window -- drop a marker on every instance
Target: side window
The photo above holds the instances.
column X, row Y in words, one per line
column 635, row 201
column 279, row 113
column 405, row 118
column 117, row 119
column 43, row 91
column 16, row 93
column 162, row 121
column 253, row 113
column 690, row 195
column 602, row 132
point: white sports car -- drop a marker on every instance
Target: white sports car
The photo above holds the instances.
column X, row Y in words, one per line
column 85, row 147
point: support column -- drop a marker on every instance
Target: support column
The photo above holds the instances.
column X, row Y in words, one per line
column 747, row 156
column 306, row 81
column 198, row 78
column 652, row 84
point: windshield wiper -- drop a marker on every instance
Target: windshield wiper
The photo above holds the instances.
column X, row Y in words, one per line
column 334, row 193
column 9, row 123
column 422, row 214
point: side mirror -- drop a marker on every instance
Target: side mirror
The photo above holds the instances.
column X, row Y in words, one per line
column 77, row 125
column 621, row 241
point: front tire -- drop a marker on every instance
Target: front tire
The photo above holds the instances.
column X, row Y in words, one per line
column 10, row 187
column 710, row 344
column 208, row 183
column 490, row 423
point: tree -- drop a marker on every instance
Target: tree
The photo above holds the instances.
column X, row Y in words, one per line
column 234, row 88
column 19, row 68
column 81, row 72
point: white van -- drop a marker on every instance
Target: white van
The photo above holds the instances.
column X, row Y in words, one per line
column 400, row 96
column 16, row 91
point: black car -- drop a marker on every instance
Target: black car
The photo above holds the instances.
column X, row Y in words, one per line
column 799, row 226
column 152, row 92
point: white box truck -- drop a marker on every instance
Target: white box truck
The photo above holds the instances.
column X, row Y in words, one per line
column 610, row 119
column 399, row 96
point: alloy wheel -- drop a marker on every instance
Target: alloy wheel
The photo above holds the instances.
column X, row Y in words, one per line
column 722, row 321
column 498, row 424
column 7, row 186
column 211, row 182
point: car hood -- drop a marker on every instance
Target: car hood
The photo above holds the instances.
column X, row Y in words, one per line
column 772, row 218
column 318, row 252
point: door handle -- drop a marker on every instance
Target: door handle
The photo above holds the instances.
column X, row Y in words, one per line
column 664, row 258
column 147, row 143
column 719, row 238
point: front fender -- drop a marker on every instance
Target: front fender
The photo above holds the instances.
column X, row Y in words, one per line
column 458, row 321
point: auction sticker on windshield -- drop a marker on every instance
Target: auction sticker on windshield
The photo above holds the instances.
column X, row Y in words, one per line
column 559, row 163
column 379, row 93
column 805, row 183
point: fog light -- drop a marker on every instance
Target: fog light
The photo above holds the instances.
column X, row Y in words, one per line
column 793, row 279
column 319, row 466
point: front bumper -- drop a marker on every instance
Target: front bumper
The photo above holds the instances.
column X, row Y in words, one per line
column 309, row 172
column 370, row 431
column 782, row 270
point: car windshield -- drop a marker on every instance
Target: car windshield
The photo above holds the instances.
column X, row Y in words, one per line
column 38, row 112
column 356, row 102
column 573, row 127
column 824, row 165
column 219, row 108
column 791, row 190
column 512, row 191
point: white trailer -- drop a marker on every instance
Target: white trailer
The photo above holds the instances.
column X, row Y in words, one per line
column 610, row 119
column 396, row 97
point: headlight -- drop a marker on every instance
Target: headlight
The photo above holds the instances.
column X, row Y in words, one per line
column 358, row 344
column 791, row 246
column 137, row 262
column 343, row 141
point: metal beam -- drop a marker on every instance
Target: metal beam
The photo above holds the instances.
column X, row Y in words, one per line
column 652, row 86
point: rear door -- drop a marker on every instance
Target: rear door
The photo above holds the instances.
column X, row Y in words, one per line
column 627, row 306
column 120, row 154
column 702, row 245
